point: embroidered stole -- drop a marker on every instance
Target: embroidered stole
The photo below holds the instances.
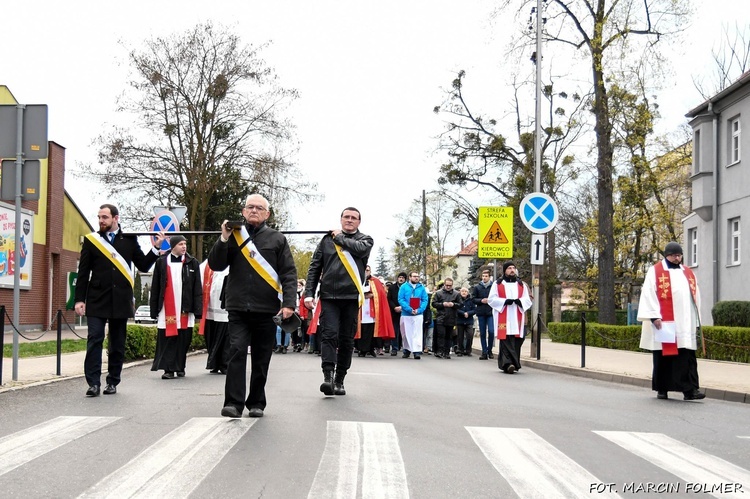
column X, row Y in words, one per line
column 110, row 253
column 208, row 277
column 351, row 268
column 502, row 322
column 257, row 262
column 664, row 294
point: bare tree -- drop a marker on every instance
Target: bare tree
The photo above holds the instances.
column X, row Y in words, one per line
column 731, row 60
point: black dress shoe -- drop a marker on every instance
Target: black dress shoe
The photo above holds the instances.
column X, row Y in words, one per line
column 662, row 395
column 490, row 355
column 180, row 374
column 694, row 395
column 255, row 412
column 93, row 391
column 167, row 375
column 110, row 390
column 231, row 411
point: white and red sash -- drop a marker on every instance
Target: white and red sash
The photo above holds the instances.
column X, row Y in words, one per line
column 664, row 295
column 170, row 308
column 502, row 322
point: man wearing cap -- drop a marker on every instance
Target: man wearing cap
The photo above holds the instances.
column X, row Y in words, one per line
column 261, row 284
column 176, row 301
column 509, row 299
column 104, row 293
column 668, row 309
column 341, row 256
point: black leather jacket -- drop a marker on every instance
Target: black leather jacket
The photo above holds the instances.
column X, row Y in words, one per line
column 336, row 284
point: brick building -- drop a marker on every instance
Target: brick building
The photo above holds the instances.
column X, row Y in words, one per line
column 56, row 234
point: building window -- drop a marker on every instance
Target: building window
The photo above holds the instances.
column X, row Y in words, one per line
column 692, row 257
column 734, row 140
column 697, row 151
column 734, row 241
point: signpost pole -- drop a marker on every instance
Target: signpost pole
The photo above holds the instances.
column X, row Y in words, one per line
column 537, row 160
column 16, row 252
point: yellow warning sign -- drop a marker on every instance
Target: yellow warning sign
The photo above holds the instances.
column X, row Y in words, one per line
column 495, row 235
column 495, row 232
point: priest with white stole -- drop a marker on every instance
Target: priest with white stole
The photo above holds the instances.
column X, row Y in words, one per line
column 509, row 299
column 668, row 308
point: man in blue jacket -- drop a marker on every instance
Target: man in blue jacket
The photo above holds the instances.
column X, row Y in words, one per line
column 412, row 298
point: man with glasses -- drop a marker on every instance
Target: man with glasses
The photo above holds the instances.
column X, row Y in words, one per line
column 446, row 302
column 261, row 283
column 668, row 308
column 341, row 256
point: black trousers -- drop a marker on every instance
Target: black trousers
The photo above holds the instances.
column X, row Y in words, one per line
column 366, row 341
column 259, row 332
column 443, row 338
column 338, row 319
column 678, row 373
column 92, row 365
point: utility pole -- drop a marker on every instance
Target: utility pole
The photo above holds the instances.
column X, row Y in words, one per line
column 535, row 269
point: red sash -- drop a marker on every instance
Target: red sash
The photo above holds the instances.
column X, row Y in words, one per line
column 313, row 327
column 502, row 320
column 208, row 277
column 170, row 310
column 379, row 300
column 666, row 305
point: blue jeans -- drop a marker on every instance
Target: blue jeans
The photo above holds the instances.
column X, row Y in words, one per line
column 486, row 326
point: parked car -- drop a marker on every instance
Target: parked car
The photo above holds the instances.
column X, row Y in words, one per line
column 143, row 314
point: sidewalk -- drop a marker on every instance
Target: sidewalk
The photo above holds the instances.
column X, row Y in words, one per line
column 721, row 380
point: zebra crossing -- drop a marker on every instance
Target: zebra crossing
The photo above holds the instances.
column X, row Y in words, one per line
column 364, row 459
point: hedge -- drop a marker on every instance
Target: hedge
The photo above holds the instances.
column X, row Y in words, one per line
column 140, row 342
column 722, row 343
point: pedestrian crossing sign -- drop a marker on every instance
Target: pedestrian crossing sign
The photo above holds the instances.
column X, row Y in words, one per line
column 495, row 232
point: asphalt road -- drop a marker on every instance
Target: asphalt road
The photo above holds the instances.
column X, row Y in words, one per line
column 425, row 429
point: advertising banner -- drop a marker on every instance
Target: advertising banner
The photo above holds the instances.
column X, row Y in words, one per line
column 8, row 247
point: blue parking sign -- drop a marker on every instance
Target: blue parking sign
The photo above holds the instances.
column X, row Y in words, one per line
column 539, row 212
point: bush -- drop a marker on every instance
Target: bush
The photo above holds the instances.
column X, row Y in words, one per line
column 140, row 342
column 731, row 313
column 722, row 343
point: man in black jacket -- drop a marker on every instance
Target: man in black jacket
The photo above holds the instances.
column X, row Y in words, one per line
column 484, row 314
column 341, row 256
column 262, row 283
column 446, row 302
column 176, row 302
column 104, row 293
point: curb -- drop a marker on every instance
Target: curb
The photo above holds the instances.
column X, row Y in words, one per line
column 713, row 393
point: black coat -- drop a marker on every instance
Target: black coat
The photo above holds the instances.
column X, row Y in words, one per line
column 192, row 290
column 446, row 316
column 337, row 284
column 106, row 292
column 246, row 290
column 477, row 294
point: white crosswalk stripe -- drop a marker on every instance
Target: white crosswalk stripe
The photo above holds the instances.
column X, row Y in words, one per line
column 369, row 450
column 176, row 464
column 690, row 464
column 538, row 469
column 21, row 447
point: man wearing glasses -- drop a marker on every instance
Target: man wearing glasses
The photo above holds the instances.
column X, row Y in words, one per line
column 262, row 282
column 446, row 301
column 341, row 258
column 668, row 308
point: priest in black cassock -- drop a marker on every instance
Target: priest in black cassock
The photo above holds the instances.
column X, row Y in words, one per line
column 176, row 301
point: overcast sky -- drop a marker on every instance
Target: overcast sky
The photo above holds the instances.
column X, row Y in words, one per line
column 368, row 73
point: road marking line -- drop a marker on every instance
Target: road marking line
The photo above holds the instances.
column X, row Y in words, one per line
column 19, row 448
column 532, row 466
column 354, row 445
column 682, row 460
column 176, row 464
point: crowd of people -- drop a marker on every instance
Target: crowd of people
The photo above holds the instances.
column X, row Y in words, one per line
column 249, row 302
